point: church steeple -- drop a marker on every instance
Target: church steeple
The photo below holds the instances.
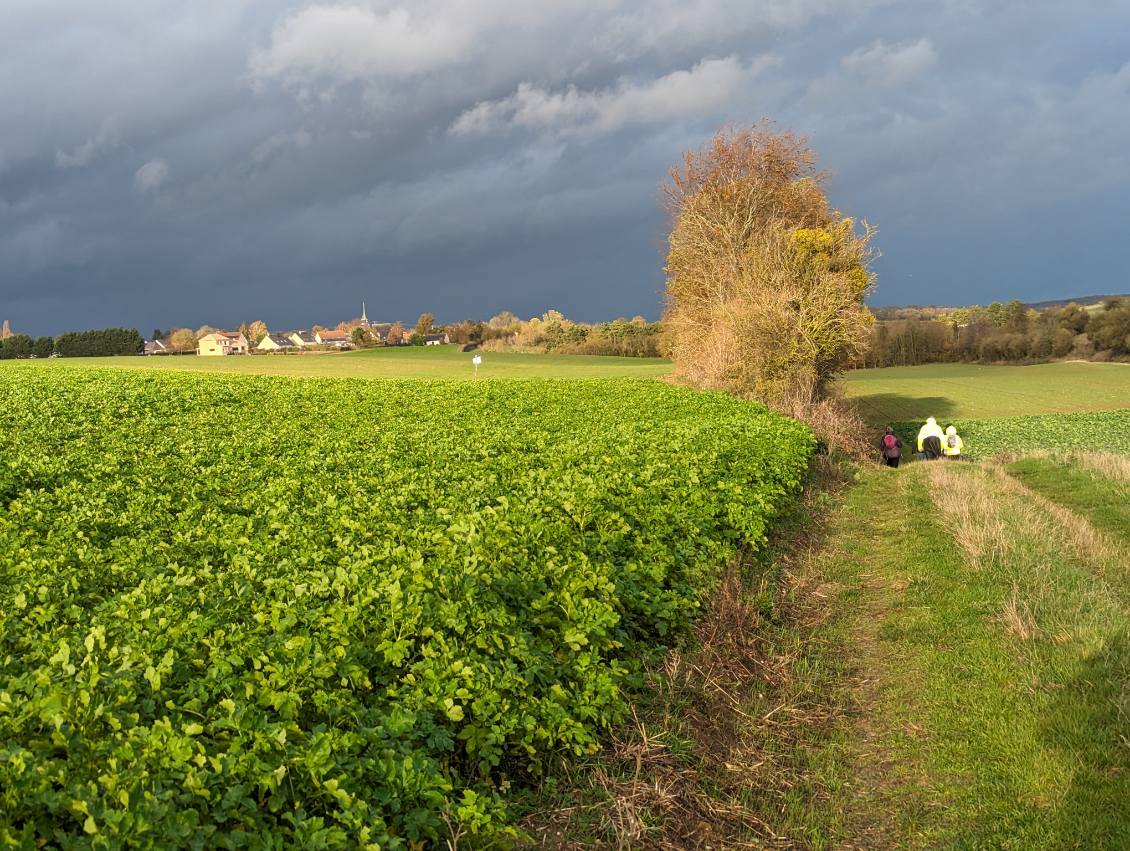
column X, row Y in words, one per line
column 364, row 318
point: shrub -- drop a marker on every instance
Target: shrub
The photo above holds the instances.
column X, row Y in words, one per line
column 765, row 282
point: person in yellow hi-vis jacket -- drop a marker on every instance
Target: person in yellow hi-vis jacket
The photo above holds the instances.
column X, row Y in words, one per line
column 953, row 444
column 930, row 449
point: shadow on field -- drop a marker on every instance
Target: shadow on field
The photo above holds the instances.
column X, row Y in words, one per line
column 881, row 409
column 1087, row 724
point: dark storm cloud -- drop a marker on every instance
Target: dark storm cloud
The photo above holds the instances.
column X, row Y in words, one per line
column 224, row 160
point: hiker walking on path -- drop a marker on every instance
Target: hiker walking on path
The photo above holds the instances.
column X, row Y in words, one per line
column 953, row 444
column 891, row 447
column 930, row 438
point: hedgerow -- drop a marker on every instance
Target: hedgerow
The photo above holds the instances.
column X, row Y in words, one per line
column 1107, row 431
column 261, row 613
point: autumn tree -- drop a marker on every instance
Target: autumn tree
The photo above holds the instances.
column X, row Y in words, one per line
column 504, row 321
column 256, row 331
column 395, row 334
column 765, row 280
column 459, row 332
column 182, row 340
column 424, row 323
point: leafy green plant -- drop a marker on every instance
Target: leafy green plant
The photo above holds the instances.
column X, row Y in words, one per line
column 262, row 612
column 1103, row 430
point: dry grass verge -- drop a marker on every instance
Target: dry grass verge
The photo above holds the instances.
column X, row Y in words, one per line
column 979, row 522
column 1110, row 465
column 705, row 760
column 839, row 426
column 682, row 773
column 1076, row 533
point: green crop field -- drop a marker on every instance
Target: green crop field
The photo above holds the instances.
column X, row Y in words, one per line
column 253, row 611
column 400, row 362
column 973, row 391
column 242, row 611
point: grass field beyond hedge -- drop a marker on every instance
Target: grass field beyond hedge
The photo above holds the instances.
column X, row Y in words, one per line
column 973, row 391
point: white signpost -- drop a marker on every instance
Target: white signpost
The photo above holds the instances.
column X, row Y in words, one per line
column 476, row 360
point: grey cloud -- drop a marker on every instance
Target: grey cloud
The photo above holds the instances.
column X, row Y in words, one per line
column 700, row 91
column 151, row 176
column 228, row 159
column 892, row 64
column 104, row 140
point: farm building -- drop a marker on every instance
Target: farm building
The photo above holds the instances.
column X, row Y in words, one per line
column 222, row 343
column 155, row 347
column 436, row 339
column 276, row 343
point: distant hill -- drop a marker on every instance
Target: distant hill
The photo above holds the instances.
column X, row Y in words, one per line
column 922, row 311
column 1082, row 300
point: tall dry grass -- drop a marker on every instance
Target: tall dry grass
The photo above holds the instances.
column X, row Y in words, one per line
column 1110, row 465
column 1078, row 536
column 1037, row 547
column 971, row 514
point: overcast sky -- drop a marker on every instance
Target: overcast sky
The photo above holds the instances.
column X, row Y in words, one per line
column 216, row 161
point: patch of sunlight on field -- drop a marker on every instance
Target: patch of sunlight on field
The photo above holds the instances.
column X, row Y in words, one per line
column 950, row 391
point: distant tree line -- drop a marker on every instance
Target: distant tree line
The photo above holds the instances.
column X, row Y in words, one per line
column 23, row 346
column 101, row 343
column 999, row 333
column 553, row 332
column 76, row 344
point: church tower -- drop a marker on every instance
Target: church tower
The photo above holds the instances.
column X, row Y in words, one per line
column 364, row 318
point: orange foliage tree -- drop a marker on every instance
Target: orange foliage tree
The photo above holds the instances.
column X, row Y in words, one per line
column 765, row 281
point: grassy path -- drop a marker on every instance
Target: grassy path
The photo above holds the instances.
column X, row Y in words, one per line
column 987, row 650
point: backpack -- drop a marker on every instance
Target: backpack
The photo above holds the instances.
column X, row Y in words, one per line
column 951, row 441
column 889, row 441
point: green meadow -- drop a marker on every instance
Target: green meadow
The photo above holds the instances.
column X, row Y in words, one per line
column 400, row 362
column 946, row 391
column 975, row 391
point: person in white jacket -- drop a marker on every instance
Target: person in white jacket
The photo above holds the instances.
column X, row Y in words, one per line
column 930, row 429
column 953, row 444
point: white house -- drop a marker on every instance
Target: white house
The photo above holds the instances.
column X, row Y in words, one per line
column 222, row 343
column 436, row 339
column 302, row 339
column 276, row 343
